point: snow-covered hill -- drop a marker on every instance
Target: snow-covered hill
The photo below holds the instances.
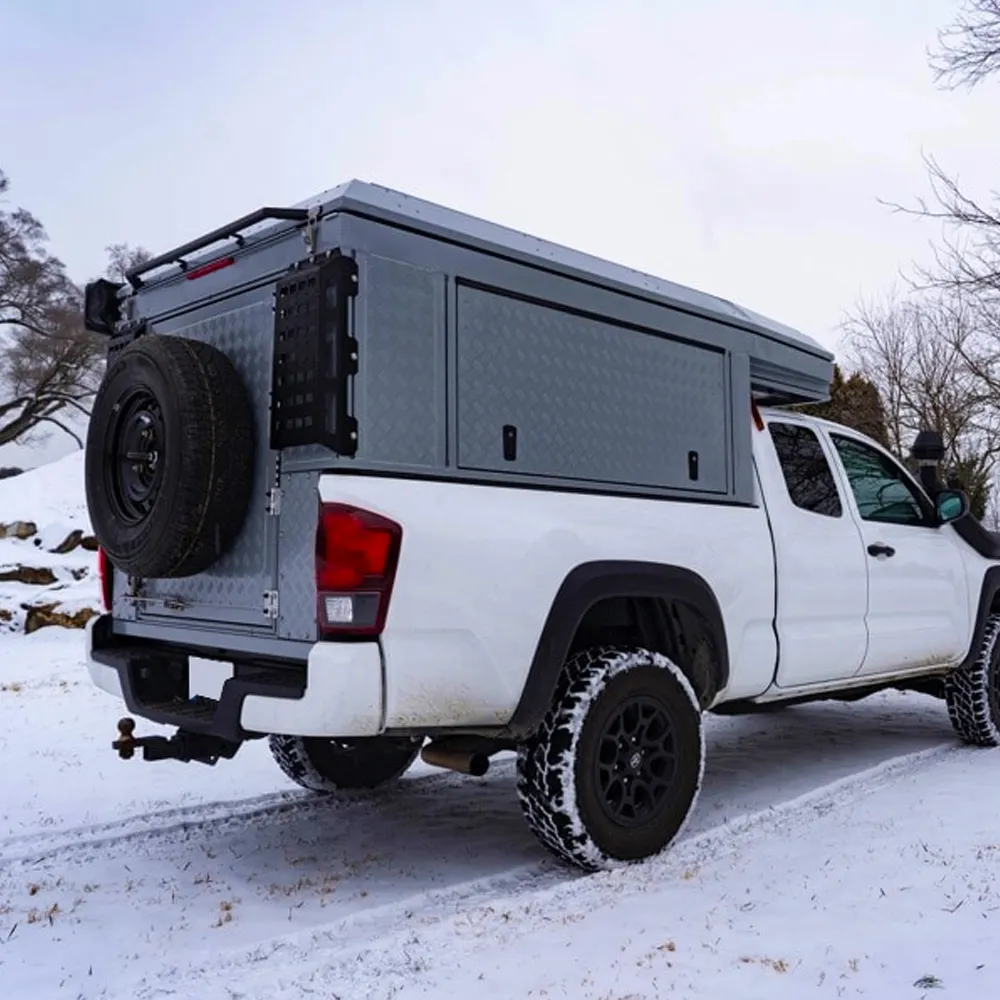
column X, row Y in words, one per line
column 48, row 564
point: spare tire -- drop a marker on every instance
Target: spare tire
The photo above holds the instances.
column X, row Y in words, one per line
column 170, row 456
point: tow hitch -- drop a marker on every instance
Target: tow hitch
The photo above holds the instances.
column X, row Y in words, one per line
column 182, row 746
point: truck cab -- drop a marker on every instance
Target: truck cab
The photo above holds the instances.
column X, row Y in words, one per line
column 874, row 581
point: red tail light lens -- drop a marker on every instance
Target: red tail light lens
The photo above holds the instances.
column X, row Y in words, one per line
column 106, row 577
column 356, row 557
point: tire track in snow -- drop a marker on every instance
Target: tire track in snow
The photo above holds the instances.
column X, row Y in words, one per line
column 40, row 845
column 335, row 954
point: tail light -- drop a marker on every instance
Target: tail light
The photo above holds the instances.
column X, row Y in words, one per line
column 356, row 557
column 106, row 576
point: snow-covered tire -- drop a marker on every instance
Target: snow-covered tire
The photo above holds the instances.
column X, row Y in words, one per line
column 326, row 765
column 638, row 707
column 972, row 692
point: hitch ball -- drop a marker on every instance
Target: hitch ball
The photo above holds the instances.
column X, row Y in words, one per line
column 125, row 744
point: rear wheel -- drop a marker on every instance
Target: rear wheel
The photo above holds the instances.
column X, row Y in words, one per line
column 972, row 692
column 329, row 765
column 614, row 770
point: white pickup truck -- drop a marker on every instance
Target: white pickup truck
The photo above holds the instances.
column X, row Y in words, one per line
column 427, row 605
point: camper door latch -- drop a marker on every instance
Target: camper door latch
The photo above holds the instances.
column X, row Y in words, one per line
column 270, row 604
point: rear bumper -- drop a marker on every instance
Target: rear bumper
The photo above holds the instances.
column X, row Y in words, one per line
column 336, row 692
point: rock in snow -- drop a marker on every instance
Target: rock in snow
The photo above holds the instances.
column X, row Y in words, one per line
column 48, row 568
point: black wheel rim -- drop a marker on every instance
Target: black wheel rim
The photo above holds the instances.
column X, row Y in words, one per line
column 636, row 761
column 133, row 465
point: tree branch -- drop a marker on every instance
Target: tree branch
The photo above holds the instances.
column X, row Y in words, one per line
column 969, row 48
column 52, row 420
column 968, row 259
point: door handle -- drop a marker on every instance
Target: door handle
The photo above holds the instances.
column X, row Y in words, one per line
column 881, row 549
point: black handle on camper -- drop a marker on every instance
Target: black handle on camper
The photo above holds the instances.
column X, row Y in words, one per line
column 133, row 274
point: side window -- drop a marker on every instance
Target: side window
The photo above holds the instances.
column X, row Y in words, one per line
column 808, row 475
column 882, row 490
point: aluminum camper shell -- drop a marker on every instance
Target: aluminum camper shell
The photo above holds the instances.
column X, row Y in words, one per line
column 454, row 349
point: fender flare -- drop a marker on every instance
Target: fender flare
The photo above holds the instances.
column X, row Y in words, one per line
column 584, row 587
column 987, row 594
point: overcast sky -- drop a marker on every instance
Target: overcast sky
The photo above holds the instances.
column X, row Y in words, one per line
column 738, row 146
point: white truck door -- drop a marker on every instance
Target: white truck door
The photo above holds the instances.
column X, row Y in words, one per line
column 918, row 601
column 821, row 565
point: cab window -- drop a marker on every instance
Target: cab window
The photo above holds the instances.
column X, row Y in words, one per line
column 882, row 490
column 808, row 476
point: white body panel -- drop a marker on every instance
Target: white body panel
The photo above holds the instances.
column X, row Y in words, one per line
column 344, row 691
column 101, row 676
column 481, row 565
column 806, row 608
column 919, row 605
column 922, row 599
column 822, row 575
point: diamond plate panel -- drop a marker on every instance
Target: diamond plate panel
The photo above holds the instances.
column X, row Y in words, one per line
column 590, row 401
column 297, row 556
column 400, row 385
column 232, row 590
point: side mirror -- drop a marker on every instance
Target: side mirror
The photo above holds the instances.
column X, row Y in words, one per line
column 951, row 505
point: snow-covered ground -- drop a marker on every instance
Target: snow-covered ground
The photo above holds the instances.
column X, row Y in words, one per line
column 836, row 851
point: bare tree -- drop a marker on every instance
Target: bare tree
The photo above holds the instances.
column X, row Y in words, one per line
column 968, row 261
column 930, row 358
column 122, row 257
column 49, row 364
column 32, row 281
column 935, row 356
column 45, row 377
column 969, row 47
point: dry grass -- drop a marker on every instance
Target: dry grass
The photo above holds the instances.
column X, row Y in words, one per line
column 226, row 909
column 36, row 916
column 777, row 964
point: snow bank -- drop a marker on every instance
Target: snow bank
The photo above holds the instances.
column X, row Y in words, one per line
column 38, row 585
column 50, row 494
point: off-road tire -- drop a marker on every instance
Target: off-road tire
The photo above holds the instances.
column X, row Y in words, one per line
column 972, row 692
column 558, row 783
column 177, row 515
column 325, row 765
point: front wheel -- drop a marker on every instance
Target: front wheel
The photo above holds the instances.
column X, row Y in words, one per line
column 613, row 772
column 332, row 765
column 972, row 692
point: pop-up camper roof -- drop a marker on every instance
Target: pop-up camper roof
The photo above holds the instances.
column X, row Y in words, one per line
column 785, row 364
column 395, row 207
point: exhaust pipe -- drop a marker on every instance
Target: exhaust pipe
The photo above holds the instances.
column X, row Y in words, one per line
column 473, row 762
